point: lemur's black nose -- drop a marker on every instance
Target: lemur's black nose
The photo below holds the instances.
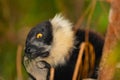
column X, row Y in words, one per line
column 28, row 50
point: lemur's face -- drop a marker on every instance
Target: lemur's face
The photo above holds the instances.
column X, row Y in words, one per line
column 39, row 39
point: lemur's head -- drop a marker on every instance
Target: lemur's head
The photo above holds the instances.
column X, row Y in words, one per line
column 50, row 41
column 39, row 40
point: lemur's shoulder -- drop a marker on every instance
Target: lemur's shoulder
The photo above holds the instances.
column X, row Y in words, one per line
column 91, row 32
column 95, row 39
column 93, row 36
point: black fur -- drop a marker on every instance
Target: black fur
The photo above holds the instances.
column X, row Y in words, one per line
column 45, row 28
column 66, row 72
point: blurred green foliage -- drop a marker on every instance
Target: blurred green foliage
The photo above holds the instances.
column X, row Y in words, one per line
column 114, row 60
column 18, row 15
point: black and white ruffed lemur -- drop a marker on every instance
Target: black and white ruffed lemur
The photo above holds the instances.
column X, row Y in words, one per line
column 53, row 43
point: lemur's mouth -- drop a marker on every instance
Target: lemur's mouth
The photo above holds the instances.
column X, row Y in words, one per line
column 43, row 54
column 32, row 52
column 37, row 54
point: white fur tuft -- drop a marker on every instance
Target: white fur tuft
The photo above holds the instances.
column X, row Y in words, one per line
column 60, row 21
column 62, row 40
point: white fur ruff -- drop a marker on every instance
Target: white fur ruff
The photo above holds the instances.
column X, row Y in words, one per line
column 63, row 41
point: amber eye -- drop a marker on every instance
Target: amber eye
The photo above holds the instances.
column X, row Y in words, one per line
column 39, row 35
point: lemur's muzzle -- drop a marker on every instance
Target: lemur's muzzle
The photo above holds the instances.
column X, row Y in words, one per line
column 33, row 52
